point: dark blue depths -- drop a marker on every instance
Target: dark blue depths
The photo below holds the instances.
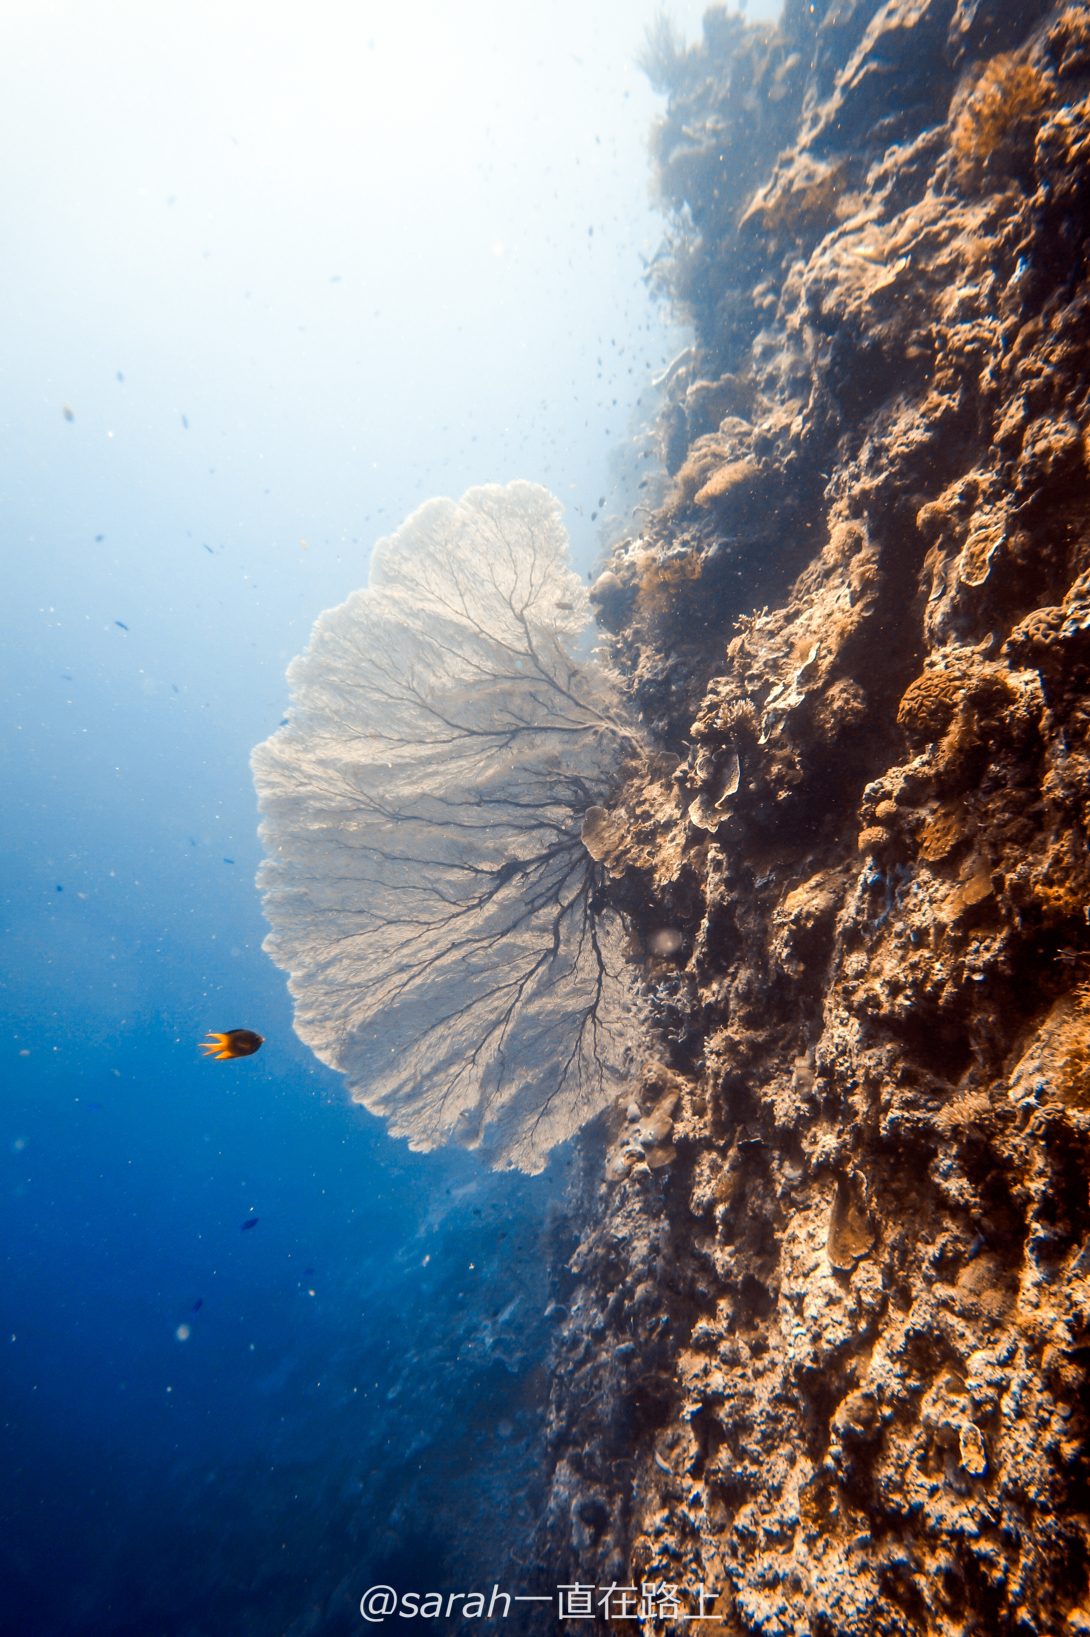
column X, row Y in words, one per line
column 208, row 1429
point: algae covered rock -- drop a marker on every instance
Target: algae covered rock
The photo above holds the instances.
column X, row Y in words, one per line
column 860, row 619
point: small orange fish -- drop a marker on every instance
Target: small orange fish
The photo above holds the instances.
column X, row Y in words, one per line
column 235, row 1043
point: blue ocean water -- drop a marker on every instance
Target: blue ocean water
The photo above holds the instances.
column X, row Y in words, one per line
column 204, row 1423
column 268, row 290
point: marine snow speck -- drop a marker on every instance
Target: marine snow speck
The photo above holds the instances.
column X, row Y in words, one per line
column 235, row 1043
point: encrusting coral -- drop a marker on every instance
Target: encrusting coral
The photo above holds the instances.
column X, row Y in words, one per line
column 828, row 1360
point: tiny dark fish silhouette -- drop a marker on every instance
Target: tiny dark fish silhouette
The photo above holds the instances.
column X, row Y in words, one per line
column 65, row 677
column 228, row 861
column 250, row 1222
column 174, row 685
column 185, row 423
column 283, row 719
column 208, row 549
column 68, row 412
column 198, row 1304
column 234, row 1043
column 60, row 889
column 99, row 539
column 92, row 1105
column 122, row 624
column 307, row 1272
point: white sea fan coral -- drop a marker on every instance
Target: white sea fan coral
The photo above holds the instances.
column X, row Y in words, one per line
column 425, row 881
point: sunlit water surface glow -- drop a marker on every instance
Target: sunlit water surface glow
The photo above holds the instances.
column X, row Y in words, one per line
column 273, row 275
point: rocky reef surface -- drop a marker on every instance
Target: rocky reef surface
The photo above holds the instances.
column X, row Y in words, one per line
column 823, row 1342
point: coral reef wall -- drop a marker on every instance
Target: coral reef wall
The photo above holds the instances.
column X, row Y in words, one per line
column 824, row 1342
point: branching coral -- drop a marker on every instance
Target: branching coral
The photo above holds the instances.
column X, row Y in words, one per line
column 425, row 880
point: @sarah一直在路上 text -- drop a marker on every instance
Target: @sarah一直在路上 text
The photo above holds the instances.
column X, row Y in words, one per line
column 651, row 1600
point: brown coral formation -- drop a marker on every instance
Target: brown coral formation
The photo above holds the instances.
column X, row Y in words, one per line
column 826, row 1351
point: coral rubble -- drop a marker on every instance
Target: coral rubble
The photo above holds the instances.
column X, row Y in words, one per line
column 826, row 1331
